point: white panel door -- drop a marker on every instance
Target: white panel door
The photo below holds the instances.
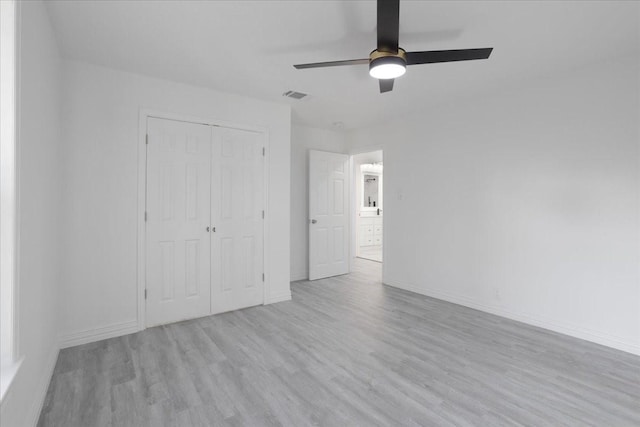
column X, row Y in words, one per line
column 237, row 215
column 178, row 214
column 328, row 214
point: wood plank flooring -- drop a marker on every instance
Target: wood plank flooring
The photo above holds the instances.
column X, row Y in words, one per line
column 373, row 253
column 346, row 351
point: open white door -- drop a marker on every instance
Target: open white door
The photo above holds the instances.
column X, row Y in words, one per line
column 328, row 214
column 178, row 240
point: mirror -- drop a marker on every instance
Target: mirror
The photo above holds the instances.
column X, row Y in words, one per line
column 371, row 187
column 371, row 184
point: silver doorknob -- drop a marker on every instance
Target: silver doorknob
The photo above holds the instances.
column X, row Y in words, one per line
column 313, row 221
column 208, row 229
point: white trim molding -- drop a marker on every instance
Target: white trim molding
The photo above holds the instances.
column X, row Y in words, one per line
column 296, row 276
column 98, row 334
column 534, row 320
column 280, row 297
column 8, row 372
column 10, row 179
column 40, row 393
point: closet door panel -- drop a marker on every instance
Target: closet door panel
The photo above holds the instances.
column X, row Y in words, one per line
column 236, row 209
column 178, row 214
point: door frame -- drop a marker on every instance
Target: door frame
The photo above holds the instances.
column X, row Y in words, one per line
column 354, row 180
column 141, row 277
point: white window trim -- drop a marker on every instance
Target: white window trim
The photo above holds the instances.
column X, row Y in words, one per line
column 9, row 250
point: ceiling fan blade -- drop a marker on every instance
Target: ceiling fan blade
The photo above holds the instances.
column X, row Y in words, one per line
column 388, row 25
column 386, row 85
column 433, row 56
column 332, row 63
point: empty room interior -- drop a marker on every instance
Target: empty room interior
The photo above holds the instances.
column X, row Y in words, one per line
column 335, row 213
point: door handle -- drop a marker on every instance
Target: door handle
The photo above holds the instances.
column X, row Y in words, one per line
column 313, row 221
column 208, row 229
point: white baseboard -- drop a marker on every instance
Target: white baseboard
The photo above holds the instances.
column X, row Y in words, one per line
column 552, row 325
column 283, row 296
column 92, row 335
column 40, row 392
column 300, row 275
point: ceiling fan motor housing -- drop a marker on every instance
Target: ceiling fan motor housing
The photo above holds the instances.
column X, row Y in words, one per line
column 379, row 60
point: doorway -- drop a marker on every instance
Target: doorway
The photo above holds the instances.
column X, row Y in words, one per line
column 368, row 180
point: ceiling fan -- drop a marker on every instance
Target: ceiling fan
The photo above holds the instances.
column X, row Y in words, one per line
column 389, row 61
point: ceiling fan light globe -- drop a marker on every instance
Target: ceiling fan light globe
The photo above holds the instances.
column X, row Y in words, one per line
column 389, row 67
column 387, row 71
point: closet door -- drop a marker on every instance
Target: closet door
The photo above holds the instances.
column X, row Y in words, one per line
column 178, row 214
column 237, row 215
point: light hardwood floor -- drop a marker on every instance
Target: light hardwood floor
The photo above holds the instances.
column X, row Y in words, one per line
column 373, row 253
column 345, row 351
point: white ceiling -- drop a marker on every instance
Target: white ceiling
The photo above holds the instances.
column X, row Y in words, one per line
column 369, row 157
column 248, row 47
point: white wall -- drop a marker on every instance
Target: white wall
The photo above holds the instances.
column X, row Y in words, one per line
column 303, row 139
column 100, row 217
column 38, row 235
column 524, row 203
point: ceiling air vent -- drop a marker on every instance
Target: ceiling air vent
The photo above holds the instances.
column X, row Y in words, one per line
column 293, row 94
